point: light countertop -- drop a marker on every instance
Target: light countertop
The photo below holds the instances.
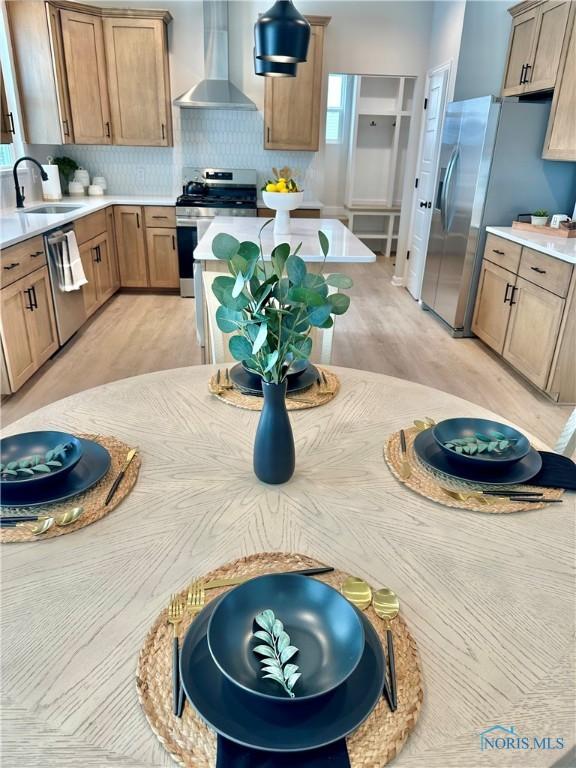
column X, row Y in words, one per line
column 563, row 248
column 19, row 224
column 345, row 247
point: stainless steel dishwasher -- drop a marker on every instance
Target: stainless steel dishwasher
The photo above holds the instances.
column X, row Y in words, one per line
column 68, row 306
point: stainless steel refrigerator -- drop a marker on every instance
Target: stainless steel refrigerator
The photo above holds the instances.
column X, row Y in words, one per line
column 491, row 170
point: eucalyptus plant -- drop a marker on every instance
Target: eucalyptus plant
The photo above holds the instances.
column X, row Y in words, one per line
column 270, row 307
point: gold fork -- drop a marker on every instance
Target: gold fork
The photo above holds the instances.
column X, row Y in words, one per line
column 175, row 616
column 196, row 597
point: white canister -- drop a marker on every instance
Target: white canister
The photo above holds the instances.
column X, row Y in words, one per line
column 76, row 188
column 95, row 189
column 81, row 175
column 101, row 182
column 51, row 189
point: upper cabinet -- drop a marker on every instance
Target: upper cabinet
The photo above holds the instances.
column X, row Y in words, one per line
column 538, row 31
column 292, row 105
column 137, row 57
column 560, row 142
column 85, row 65
column 6, row 117
column 91, row 75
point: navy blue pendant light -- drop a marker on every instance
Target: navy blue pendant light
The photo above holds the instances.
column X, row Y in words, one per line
column 273, row 68
column 282, row 34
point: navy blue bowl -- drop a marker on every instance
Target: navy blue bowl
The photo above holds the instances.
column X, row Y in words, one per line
column 454, row 429
column 322, row 624
column 17, row 448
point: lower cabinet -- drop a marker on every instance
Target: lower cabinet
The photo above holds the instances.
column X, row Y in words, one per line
column 162, row 257
column 492, row 310
column 535, row 318
column 131, row 246
column 28, row 326
column 527, row 315
column 99, row 270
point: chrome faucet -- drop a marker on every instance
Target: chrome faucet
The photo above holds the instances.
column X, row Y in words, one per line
column 20, row 191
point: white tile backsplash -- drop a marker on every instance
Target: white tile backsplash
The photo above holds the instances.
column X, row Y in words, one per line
column 202, row 138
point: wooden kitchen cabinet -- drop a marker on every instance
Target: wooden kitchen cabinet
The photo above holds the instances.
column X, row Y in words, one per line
column 74, row 89
column 560, row 142
column 28, row 326
column 137, row 57
column 538, row 31
column 535, row 318
column 6, row 117
column 527, row 314
column 99, row 271
column 89, row 290
column 293, row 105
column 112, row 250
column 85, row 63
column 492, row 310
column 131, row 246
column 162, row 257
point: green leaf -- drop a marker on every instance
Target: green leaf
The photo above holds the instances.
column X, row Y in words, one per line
column 239, row 347
column 293, row 679
column 296, row 270
column 279, row 256
column 338, row 280
column 41, row 468
column 12, row 465
column 238, row 285
column 271, row 360
column 265, row 620
column 54, row 463
column 225, row 246
column 287, row 653
column 319, row 315
column 26, row 471
column 263, row 635
column 264, row 650
column 249, row 251
column 340, row 303
column 305, row 296
column 283, row 640
column 324, row 244
column 222, row 288
column 277, row 628
column 260, row 339
column 229, row 320
column 316, row 283
column 289, row 670
column 282, row 290
column 275, row 676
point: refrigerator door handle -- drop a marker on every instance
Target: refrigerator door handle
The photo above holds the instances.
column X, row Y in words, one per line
column 446, row 188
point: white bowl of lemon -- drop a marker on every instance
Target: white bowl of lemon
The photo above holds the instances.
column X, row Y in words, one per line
column 282, row 196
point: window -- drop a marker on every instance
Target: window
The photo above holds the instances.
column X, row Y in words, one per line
column 336, row 109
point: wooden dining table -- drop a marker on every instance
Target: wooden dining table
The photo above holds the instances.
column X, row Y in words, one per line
column 489, row 598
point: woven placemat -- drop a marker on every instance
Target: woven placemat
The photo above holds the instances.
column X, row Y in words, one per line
column 92, row 500
column 312, row 397
column 429, row 484
column 192, row 744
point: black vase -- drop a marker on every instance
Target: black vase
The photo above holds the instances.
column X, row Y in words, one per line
column 274, row 456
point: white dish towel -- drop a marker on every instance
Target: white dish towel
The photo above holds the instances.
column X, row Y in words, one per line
column 71, row 275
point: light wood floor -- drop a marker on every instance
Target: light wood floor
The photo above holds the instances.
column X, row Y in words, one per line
column 385, row 331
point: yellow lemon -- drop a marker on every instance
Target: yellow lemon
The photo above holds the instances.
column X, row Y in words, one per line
column 285, row 190
column 280, row 181
column 281, row 186
column 270, row 187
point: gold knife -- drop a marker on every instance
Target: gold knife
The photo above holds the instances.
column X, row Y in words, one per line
column 405, row 471
column 233, row 581
column 130, row 455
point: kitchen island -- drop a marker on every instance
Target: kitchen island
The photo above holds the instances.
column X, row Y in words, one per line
column 344, row 248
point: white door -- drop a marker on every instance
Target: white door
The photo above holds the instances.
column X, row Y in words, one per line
column 426, row 175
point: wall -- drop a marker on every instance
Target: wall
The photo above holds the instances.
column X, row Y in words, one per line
column 445, row 37
column 483, row 51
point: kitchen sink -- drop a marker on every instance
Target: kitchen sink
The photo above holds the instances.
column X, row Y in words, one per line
column 51, row 209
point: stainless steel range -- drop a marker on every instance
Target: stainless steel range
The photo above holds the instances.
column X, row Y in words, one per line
column 208, row 192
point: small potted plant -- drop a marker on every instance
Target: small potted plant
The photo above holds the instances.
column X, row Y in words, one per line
column 270, row 308
column 282, row 195
column 539, row 218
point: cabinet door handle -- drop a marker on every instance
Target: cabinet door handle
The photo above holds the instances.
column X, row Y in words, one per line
column 521, row 81
column 138, row 220
column 268, row 134
column 173, row 243
column 508, row 286
column 159, row 217
column 34, row 299
column 163, row 131
column 37, row 253
column 514, row 289
column 66, row 127
column 30, row 306
column 12, row 265
column 537, row 269
column 10, row 117
column 107, row 125
column 526, row 78
column 500, row 253
column 96, row 254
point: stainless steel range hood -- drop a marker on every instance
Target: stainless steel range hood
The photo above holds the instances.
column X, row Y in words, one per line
column 215, row 91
